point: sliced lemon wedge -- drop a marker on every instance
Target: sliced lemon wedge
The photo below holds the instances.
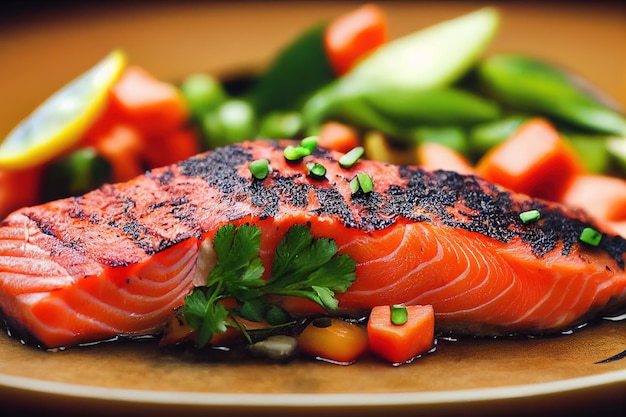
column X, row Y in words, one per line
column 59, row 122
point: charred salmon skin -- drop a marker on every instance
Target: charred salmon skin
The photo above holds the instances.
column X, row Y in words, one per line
column 119, row 260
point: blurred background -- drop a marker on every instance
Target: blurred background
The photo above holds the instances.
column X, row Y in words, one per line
column 44, row 44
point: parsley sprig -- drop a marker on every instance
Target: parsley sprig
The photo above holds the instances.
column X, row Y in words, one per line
column 303, row 267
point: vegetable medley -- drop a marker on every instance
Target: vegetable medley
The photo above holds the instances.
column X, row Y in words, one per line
column 432, row 98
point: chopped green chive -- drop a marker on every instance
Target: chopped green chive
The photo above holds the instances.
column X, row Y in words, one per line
column 399, row 315
column 363, row 182
column 366, row 183
column 316, row 170
column 309, row 142
column 530, row 216
column 295, row 153
column 354, row 185
column 259, row 168
column 350, row 158
column 590, row 236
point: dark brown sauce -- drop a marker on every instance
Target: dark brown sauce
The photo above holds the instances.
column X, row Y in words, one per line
column 238, row 351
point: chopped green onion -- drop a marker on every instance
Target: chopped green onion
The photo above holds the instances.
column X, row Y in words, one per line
column 316, row 170
column 295, row 153
column 399, row 315
column 354, row 185
column 350, row 158
column 309, row 142
column 363, row 182
column 530, row 216
column 366, row 183
column 590, row 236
column 259, row 168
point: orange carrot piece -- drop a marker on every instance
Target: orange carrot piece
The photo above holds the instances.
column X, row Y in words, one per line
column 601, row 196
column 333, row 339
column 401, row 343
column 350, row 37
column 19, row 188
column 146, row 103
column 432, row 155
column 535, row 160
column 122, row 146
column 337, row 136
column 169, row 148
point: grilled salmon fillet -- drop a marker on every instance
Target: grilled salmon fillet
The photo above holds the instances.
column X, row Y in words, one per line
column 119, row 260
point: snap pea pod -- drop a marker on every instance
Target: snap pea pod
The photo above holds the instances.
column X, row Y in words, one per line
column 593, row 150
column 453, row 137
column 436, row 106
column 484, row 136
column 384, row 89
column 532, row 85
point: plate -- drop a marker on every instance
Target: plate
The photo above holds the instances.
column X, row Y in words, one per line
column 483, row 377
column 44, row 49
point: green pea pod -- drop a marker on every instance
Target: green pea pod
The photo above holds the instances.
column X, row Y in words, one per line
column 437, row 106
column 593, row 150
column 428, row 60
column 451, row 136
column 484, row 136
column 533, row 85
column 79, row 172
column 299, row 70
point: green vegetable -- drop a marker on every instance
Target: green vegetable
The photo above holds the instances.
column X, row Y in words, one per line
column 302, row 267
column 363, row 182
column 233, row 121
column 533, row 85
column 77, row 173
column 399, row 315
column 350, row 158
column 316, row 170
column 259, row 168
column 295, row 153
column 485, row 136
column 450, row 136
column 530, row 216
column 433, row 57
column 309, row 142
column 437, row 106
column 593, row 150
column 398, row 80
column 299, row 70
column 281, row 125
column 590, row 236
column 203, row 94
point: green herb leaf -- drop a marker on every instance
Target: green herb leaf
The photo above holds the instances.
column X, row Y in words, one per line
column 303, row 266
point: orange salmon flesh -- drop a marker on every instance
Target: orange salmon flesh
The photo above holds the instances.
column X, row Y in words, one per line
column 119, row 260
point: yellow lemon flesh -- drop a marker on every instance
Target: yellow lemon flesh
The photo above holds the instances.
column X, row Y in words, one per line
column 59, row 122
